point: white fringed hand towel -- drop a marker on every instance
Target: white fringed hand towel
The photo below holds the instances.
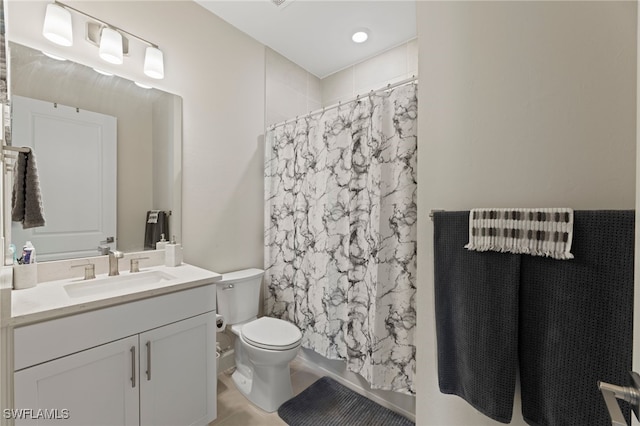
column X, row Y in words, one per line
column 538, row 232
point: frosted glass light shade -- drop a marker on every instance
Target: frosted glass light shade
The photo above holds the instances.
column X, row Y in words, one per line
column 111, row 46
column 57, row 25
column 154, row 63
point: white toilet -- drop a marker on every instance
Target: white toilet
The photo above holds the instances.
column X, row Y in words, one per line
column 264, row 346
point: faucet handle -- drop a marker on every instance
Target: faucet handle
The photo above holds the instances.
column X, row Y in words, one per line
column 104, row 247
column 116, row 253
column 135, row 264
column 89, row 270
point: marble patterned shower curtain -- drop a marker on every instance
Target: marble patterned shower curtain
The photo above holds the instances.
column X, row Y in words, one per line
column 340, row 233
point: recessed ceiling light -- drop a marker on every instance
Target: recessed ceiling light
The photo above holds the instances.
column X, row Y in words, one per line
column 360, row 36
column 52, row 56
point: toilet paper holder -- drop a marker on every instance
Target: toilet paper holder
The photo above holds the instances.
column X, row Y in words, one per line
column 221, row 324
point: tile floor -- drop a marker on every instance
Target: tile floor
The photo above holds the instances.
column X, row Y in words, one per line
column 235, row 410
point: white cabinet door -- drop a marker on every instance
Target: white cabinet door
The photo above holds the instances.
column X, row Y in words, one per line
column 178, row 373
column 98, row 386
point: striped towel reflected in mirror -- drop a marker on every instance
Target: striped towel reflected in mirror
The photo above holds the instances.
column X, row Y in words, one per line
column 538, row 232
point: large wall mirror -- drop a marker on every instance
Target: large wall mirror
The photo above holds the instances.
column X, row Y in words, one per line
column 145, row 168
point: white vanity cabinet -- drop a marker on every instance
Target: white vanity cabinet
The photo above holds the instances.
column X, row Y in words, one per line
column 149, row 362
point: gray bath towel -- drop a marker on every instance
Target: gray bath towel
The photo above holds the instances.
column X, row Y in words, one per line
column 476, row 304
column 570, row 321
column 576, row 322
column 26, row 201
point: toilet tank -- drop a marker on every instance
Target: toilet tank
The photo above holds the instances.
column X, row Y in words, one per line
column 238, row 295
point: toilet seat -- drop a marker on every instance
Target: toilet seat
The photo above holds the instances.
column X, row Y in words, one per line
column 271, row 333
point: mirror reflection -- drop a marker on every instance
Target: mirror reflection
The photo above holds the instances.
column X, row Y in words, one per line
column 107, row 152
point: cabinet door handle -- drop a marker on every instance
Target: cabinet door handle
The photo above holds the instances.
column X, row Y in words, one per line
column 148, row 360
column 133, row 366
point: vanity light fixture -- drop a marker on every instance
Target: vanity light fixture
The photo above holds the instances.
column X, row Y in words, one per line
column 57, row 26
column 360, row 36
column 113, row 42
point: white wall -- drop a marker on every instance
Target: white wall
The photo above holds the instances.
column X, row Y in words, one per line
column 219, row 73
column 162, row 156
column 391, row 66
column 290, row 89
column 527, row 104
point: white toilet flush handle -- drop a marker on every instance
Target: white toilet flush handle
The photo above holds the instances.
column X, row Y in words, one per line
column 227, row 287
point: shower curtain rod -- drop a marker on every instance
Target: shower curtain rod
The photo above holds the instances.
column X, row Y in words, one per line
column 389, row 86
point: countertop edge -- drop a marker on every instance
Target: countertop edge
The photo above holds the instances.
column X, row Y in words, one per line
column 32, row 318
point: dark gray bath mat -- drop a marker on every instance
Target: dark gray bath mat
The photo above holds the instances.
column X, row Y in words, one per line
column 328, row 403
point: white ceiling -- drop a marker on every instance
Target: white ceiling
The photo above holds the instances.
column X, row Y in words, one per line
column 316, row 34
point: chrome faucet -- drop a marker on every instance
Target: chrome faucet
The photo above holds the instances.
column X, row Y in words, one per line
column 114, row 255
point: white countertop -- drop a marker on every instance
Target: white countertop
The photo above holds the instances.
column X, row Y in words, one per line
column 50, row 299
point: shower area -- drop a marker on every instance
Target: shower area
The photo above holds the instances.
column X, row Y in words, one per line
column 340, row 222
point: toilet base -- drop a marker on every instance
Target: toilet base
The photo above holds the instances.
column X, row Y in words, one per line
column 262, row 375
column 242, row 382
column 267, row 388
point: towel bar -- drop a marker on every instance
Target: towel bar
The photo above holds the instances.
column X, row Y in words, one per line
column 4, row 156
column 16, row 148
column 434, row 211
column 630, row 394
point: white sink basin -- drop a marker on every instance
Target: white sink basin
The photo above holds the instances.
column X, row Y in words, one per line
column 118, row 283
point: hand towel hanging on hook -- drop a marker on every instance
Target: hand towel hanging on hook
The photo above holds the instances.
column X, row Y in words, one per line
column 26, row 198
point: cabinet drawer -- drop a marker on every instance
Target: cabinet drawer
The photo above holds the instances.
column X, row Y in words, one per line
column 37, row 343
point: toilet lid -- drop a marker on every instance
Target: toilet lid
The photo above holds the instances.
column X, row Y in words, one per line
column 271, row 333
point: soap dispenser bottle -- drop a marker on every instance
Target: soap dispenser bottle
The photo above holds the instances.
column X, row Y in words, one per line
column 162, row 244
column 173, row 253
